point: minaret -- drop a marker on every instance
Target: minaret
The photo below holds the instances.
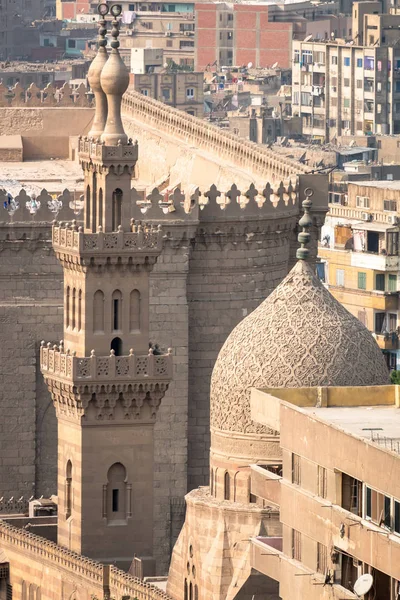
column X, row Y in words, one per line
column 105, row 383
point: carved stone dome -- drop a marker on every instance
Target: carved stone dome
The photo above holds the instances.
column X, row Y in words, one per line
column 300, row 336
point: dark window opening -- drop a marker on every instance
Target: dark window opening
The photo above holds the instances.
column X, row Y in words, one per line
column 372, row 241
column 116, row 345
column 351, row 494
column 115, row 500
column 116, row 314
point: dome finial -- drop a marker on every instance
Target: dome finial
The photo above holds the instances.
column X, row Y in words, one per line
column 305, row 222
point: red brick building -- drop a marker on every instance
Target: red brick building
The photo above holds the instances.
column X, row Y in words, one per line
column 239, row 34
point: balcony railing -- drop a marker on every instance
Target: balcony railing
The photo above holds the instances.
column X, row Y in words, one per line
column 378, row 262
column 59, row 363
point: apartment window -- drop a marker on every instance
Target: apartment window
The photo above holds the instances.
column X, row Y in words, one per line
column 346, row 61
column 230, row 17
column 306, row 57
column 397, row 516
column 369, row 63
column 169, row 43
column 346, row 102
column 359, row 83
column 397, row 108
column 296, row 545
column 340, row 277
column 296, row 469
column 377, row 507
column 369, row 105
column 189, row 93
column 305, row 99
column 392, row 243
column 362, row 280
column 296, row 56
column 378, row 86
column 390, row 205
column 322, row 481
column 359, row 126
column 346, row 82
column 322, row 558
column 71, row 43
column 334, row 60
column 334, row 101
column 359, row 62
column 186, row 44
column 351, row 494
column 296, row 97
column 380, row 282
column 145, row 92
column 392, row 283
column 362, row 201
column 319, row 57
column 380, row 322
column 345, row 124
column 379, row 108
column 334, row 81
column 362, row 317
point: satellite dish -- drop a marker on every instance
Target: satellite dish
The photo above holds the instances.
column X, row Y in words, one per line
column 165, row 65
column 249, row 65
column 274, row 65
column 363, row 585
column 308, row 38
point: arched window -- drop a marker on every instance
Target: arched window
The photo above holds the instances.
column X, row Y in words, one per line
column 94, row 196
column 67, row 306
column 79, row 310
column 227, row 485
column 196, row 592
column 191, row 591
column 134, row 311
column 68, row 490
column 73, row 308
column 100, row 206
column 212, row 482
column 116, row 307
column 116, row 492
column 116, row 345
column 98, row 312
column 23, row 590
column 185, row 591
column 88, row 207
column 116, row 208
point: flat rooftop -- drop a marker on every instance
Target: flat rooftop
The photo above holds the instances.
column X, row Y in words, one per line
column 377, row 424
column 52, row 175
column 383, row 184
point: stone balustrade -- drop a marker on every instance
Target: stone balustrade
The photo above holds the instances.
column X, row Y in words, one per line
column 73, row 239
column 56, row 362
column 196, row 131
column 98, row 150
column 91, row 573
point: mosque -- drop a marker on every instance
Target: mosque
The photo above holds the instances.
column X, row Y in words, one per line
column 107, row 388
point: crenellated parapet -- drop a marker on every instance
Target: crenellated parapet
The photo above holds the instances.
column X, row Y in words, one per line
column 75, row 248
column 95, row 152
column 49, row 96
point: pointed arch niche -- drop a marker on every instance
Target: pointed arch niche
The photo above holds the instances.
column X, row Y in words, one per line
column 117, row 496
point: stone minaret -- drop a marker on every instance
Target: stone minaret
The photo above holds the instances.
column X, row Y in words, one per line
column 105, row 383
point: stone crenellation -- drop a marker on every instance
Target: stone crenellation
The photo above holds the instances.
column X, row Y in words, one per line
column 33, row 96
column 245, row 154
column 94, row 576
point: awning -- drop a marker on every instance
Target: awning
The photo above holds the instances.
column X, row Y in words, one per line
column 371, row 226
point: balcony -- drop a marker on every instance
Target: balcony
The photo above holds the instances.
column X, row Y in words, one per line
column 387, row 341
column 378, row 262
column 265, row 484
column 60, row 364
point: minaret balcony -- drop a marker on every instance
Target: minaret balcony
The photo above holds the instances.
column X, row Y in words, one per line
column 57, row 363
column 71, row 240
column 98, row 152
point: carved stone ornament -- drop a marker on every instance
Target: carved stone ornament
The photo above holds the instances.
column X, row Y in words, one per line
column 299, row 336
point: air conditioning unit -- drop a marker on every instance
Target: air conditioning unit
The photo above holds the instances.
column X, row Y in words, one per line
column 334, row 88
column 393, row 219
column 168, row 33
column 366, row 216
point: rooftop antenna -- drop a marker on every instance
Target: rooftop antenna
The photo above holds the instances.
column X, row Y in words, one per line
column 363, row 585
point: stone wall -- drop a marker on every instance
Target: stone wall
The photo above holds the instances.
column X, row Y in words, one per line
column 40, row 568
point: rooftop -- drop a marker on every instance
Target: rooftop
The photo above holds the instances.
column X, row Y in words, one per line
column 383, row 185
column 379, row 424
column 52, row 175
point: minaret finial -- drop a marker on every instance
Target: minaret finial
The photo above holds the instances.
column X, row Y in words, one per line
column 94, row 75
column 305, row 222
column 114, row 81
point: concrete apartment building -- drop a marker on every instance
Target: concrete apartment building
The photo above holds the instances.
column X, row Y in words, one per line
column 338, row 493
column 360, row 258
column 180, row 89
column 346, row 88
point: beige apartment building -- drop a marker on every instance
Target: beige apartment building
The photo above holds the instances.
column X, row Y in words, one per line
column 338, row 493
column 155, row 25
column 343, row 87
column 360, row 262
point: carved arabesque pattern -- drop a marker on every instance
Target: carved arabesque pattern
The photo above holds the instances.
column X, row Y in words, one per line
column 300, row 336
